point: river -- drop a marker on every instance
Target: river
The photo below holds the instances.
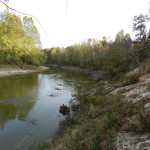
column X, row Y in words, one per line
column 29, row 106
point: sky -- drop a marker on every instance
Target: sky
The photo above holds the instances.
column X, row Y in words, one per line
column 68, row 22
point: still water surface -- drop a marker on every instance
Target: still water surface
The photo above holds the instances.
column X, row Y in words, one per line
column 29, row 106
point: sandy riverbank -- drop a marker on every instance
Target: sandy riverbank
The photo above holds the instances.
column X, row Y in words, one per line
column 14, row 70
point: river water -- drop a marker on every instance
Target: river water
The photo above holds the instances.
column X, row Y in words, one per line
column 29, row 106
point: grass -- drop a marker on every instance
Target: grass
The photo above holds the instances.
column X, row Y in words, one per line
column 147, row 70
column 19, row 147
column 133, row 79
column 100, row 117
column 144, row 120
column 42, row 146
column 94, row 126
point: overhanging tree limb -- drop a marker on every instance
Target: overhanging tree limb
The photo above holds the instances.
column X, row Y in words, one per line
column 26, row 15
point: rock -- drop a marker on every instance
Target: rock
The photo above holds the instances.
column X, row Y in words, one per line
column 94, row 91
column 73, row 95
column 130, row 141
column 75, row 107
column 125, row 83
column 145, row 77
column 60, row 84
column 147, row 106
column 57, row 89
column 96, row 75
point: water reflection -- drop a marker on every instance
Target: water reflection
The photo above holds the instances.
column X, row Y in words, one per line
column 17, row 97
column 31, row 103
column 7, row 112
column 16, row 86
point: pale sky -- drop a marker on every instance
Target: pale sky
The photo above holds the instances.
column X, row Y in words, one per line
column 80, row 19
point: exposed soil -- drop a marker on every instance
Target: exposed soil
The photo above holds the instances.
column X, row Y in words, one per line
column 15, row 70
column 139, row 95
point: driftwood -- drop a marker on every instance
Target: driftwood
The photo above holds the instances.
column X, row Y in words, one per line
column 64, row 109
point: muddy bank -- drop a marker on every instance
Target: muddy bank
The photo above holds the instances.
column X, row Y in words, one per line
column 95, row 75
column 14, row 70
column 70, row 68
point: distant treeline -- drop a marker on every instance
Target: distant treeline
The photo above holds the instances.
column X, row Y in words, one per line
column 20, row 44
column 111, row 57
column 19, row 40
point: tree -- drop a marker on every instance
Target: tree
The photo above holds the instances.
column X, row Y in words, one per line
column 119, row 36
column 12, row 25
column 140, row 28
column 18, row 44
column 31, row 31
column 142, row 36
column 123, row 41
column 12, row 34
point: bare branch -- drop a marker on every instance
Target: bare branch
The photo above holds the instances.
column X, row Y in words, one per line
column 66, row 6
column 26, row 15
column 144, row 47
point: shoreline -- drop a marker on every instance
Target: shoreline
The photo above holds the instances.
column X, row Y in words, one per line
column 15, row 70
column 104, row 106
column 94, row 75
column 70, row 68
column 95, row 102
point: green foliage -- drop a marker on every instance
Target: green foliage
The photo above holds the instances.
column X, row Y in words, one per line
column 17, row 46
column 42, row 146
column 142, row 36
column 19, row 147
column 36, row 57
column 139, row 26
column 31, row 31
column 112, row 58
column 100, row 120
column 93, row 127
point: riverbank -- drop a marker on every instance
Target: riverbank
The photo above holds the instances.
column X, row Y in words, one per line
column 9, row 70
column 94, row 75
column 112, row 115
column 70, row 68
